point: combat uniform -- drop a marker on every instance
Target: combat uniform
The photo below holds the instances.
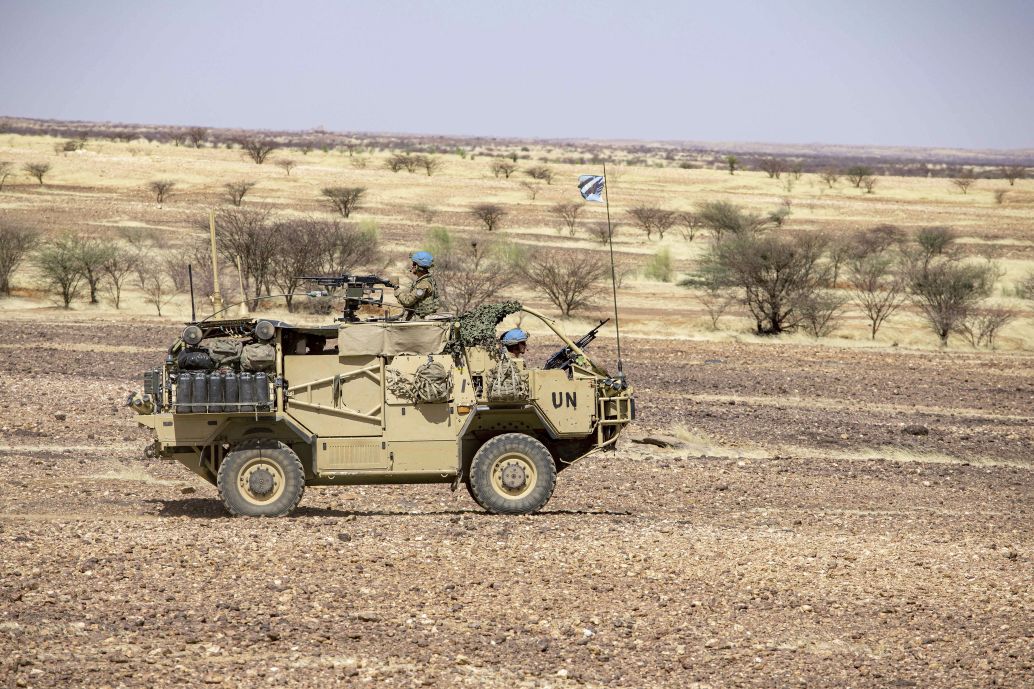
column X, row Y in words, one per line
column 419, row 299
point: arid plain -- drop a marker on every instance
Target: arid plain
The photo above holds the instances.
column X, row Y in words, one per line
column 838, row 511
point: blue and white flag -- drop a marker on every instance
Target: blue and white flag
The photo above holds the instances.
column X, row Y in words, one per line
column 591, row 187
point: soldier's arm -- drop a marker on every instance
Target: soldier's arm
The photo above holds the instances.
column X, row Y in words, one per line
column 411, row 296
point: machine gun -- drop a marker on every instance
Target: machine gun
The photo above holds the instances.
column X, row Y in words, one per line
column 359, row 290
column 565, row 357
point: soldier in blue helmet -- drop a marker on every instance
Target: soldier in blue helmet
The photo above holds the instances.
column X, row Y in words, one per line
column 516, row 342
column 420, row 298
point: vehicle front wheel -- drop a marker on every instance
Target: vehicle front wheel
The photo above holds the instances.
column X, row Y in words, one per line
column 261, row 481
column 512, row 473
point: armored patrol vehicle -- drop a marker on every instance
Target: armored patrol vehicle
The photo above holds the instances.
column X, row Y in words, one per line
column 261, row 409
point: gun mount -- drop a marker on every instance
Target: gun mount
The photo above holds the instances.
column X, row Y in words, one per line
column 358, row 290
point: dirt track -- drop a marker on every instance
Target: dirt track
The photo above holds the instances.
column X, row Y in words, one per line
column 650, row 567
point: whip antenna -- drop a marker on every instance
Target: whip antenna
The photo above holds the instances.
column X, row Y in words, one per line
column 594, row 188
column 613, row 272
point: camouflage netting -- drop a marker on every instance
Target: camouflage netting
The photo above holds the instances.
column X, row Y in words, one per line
column 477, row 326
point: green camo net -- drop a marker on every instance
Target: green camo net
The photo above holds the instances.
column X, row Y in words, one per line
column 477, row 326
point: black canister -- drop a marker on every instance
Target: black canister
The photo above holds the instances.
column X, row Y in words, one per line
column 184, row 390
column 262, row 391
column 230, row 392
column 200, row 393
column 215, row 392
column 247, row 392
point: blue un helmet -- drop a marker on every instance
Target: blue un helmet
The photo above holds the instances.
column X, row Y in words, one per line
column 515, row 336
column 424, row 259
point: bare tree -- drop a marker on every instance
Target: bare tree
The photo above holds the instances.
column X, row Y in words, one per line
column 876, row 240
column 722, row 218
column 856, row 174
column 92, row 254
column 15, row 245
column 1025, row 287
column 541, row 173
column 471, row 272
column 869, row 183
column 532, row 188
column 602, row 232
column 5, row 172
column 490, row 214
column 504, row 168
column 161, row 188
column 345, row 200
column 1000, row 196
column 930, row 243
column 569, row 280
column 964, row 180
column 652, row 219
column 1013, row 173
column 566, row 215
column 947, row 290
column 690, row 224
column 236, row 191
column 397, row 162
column 197, row 135
column 310, row 246
column 431, row 164
column 257, row 149
column 59, row 266
column 830, row 176
column 244, row 235
column 158, row 290
column 820, row 312
column 120, row 263
column 37, row 170
column 773, row 167
column 775, row 273
column 286, row 164
column 981, row 326
column 716, row 295
column 838, row 249
column 877, row 288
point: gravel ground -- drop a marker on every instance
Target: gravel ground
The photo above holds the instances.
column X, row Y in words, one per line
column 762, row 550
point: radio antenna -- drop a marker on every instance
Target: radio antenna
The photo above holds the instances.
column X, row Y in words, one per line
column 613, row 272
column 190, row 278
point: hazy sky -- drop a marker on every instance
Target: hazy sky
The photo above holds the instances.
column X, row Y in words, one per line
column 895, row 72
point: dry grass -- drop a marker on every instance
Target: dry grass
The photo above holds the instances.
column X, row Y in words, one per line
column 102, row 191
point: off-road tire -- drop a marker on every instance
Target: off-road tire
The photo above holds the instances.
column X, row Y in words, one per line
column 279, row 461
column 529, row 457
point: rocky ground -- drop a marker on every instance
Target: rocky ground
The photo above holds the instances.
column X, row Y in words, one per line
column 826, row 517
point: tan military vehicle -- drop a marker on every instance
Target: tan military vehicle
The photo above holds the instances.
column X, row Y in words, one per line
column 262, row 409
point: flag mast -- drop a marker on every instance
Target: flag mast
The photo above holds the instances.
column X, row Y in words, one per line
column 613, row 272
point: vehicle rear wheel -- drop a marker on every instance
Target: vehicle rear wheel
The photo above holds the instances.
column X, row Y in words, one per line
column 512, row 473
column 261, row 481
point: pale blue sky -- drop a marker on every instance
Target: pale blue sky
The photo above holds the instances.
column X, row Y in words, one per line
column 919, row 73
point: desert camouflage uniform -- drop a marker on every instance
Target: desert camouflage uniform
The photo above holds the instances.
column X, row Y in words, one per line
column 421, row 298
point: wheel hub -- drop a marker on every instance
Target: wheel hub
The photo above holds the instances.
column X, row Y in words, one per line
column 261, row 481
column 513, row 476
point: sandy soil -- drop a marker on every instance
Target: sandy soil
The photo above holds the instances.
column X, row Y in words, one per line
column 795, row 535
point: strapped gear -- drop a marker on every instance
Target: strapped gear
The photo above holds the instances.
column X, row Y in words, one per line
column 507, row 383
column 430, row 383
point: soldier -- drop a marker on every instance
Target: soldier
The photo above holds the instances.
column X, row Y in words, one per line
column 420, row 298
column 516, row 342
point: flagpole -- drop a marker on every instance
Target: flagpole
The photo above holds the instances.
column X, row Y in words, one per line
column 613, row 272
